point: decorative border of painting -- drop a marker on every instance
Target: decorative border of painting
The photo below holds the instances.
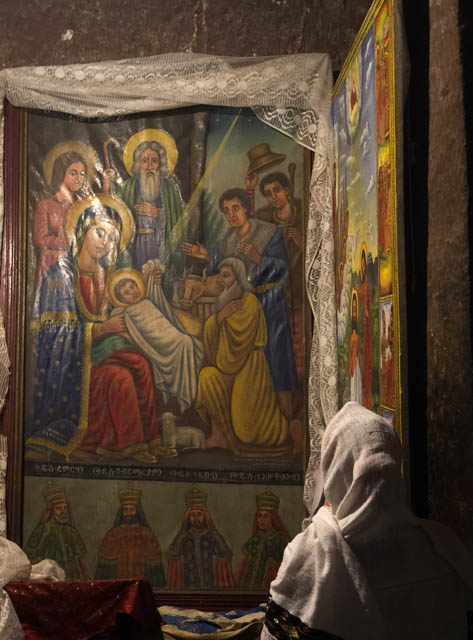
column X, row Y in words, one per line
column 392, row 405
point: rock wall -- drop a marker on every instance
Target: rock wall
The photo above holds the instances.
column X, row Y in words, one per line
column 48, row 32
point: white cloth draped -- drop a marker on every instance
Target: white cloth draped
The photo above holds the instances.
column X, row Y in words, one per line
column 175, row 355
column 14, row 565
column 366, row 567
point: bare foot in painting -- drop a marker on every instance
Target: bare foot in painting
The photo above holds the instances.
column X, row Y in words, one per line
column 217, row 438
column 297, row 436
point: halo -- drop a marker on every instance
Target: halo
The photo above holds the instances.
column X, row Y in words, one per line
column 73, row 214
column 118, row 275
column 364, row 248
column 151, row 135
column 354, row 294
column 83, row 149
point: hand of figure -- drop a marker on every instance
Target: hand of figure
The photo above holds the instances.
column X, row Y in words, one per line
column 116, row 324
column 108, row 176
column 251, row 180
column 147, row 209
column 250, row 251
column 196, row 250
column 156, row 275
column 229, row 309
column 294, row 234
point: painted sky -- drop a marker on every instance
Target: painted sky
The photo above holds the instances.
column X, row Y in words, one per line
column 356, row 148
column 249, row 131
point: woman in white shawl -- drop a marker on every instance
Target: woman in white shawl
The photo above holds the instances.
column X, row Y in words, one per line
column 366, row 568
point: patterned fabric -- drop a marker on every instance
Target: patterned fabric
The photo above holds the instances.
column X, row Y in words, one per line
column 131, row 550
column 262, row 555
column 282, row 625
column 79, row 610
column 191, row 623
column 60, row 542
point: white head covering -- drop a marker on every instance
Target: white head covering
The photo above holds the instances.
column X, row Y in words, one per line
column 366, row 567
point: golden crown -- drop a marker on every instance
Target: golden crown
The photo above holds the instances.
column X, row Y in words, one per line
column 129, row 495
column 267, row 500
column 54, row 494
column 196, row 498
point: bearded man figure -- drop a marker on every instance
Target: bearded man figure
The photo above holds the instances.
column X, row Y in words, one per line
column 130, row 548
column 199, row 556
column 235, row 393
column 56, row 538
column 263, row 551
column 153, row 196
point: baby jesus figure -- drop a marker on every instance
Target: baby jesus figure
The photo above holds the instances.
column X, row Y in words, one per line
column 154, row 328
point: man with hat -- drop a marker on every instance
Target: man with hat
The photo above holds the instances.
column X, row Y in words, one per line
column 56, row 538
column 130, row 549
column 199, row 555
column 262, row 553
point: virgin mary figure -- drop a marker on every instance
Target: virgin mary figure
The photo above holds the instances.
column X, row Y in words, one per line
column 93, row 394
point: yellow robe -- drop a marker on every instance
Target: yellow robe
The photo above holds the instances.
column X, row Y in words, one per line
column 237, row 390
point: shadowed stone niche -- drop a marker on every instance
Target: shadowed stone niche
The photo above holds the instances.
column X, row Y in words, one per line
column 449, row 362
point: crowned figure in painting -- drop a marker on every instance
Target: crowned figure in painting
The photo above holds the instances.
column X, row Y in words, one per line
column 263, row 551
column 56, row 537
column 130, row 549
column 199, row 555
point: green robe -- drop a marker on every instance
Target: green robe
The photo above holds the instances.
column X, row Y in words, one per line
column 172, row 206
column 59, row 542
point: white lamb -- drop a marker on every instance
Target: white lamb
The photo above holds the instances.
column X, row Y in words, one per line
column 180, row 437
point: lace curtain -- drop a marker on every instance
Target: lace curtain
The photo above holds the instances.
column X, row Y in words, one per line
column 290, row 93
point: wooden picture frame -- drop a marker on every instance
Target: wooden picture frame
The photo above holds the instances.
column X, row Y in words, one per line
column 281, row 478
column 368, row 220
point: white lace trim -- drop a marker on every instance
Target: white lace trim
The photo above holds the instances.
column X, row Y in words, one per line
column 290, row 93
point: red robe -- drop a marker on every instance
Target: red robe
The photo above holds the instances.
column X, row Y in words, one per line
column 122, row 411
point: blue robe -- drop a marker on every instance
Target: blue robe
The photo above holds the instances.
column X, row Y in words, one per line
column 62, row 327
column 198, row 549
column 267, row 279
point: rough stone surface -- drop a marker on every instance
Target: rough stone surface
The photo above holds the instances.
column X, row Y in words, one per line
column 449, row 366
column 41, row 32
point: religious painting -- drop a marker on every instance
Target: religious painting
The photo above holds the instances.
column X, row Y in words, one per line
column 365, row 219
column 180, row 537
column 166, row 341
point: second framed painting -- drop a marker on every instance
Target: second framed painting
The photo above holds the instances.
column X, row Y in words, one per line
column 368, row 221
